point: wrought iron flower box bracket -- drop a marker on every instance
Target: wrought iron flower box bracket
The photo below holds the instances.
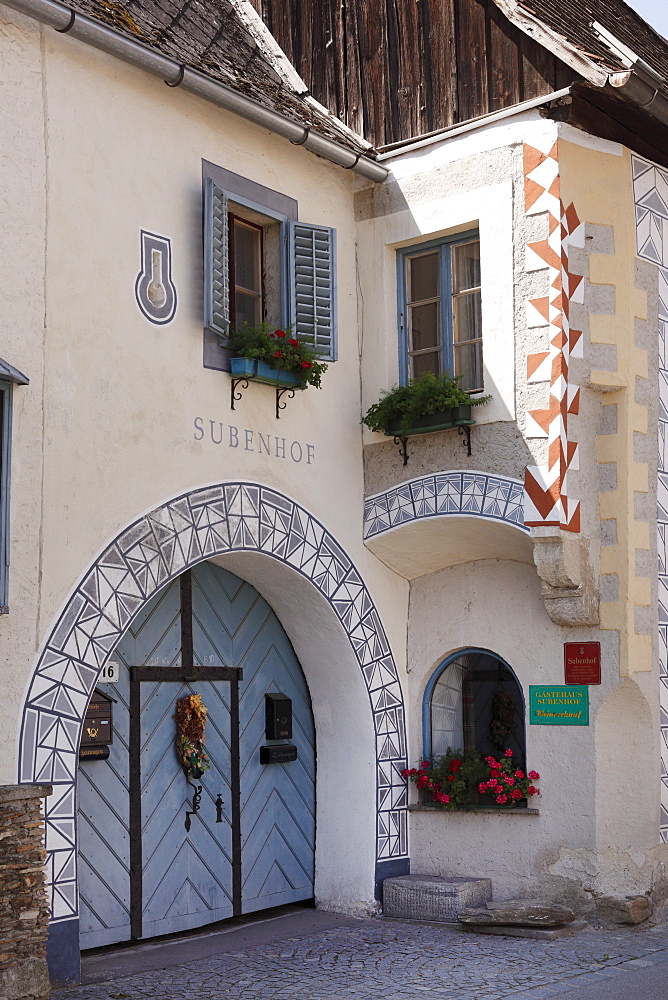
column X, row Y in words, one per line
column 245, row 370
column 458, row 416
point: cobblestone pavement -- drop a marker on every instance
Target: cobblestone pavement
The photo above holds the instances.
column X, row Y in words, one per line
column 379, row 958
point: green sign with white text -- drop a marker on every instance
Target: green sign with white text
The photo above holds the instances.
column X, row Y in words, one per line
column 559, row 705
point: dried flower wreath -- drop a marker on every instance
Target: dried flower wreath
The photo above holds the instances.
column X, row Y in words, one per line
column 190, row 719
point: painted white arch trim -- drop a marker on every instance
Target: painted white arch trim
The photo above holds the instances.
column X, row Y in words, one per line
column 227, row 517
column 442, row 494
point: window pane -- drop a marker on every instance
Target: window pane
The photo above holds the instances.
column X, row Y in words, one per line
column 423, row 277
column 446, row 711
column 246, row 257
column 468, row 364
column 247, row 309
column 468, row 316
column 424, row 327
column 466, row 266
column 421, row 363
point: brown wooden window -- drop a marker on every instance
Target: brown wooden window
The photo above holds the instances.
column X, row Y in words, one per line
column 246, row 283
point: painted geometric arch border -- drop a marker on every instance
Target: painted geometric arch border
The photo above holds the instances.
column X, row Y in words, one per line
column 472, row 493
column 229, row 517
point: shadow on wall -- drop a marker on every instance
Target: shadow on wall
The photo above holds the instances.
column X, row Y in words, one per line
column 626, row 772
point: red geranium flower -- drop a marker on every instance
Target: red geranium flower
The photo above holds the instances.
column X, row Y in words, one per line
column 534, row 775
column 516, row 794
column 306, row 364
column 519, row 774
column 508, row 753
column 502, row 799
column 278, row 354
column 293, row 342
column 531, row 790
column 279, row 333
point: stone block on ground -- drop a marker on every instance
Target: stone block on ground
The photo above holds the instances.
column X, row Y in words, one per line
column 518, row 913
column 433, row 897
column 628, row 910
column 536, row 933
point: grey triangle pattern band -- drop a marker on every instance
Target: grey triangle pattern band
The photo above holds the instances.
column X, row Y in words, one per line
column 650, row 190
column 229, row 517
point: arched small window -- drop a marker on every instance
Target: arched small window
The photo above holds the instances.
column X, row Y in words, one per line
column 474, row 701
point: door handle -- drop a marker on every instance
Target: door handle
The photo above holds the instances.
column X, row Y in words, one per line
column 219, row 808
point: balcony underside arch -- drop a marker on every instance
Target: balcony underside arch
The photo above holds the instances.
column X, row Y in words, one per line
column 446, row 519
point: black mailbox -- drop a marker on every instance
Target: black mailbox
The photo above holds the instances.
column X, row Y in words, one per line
column 278, row 708
column 98, row 728
column 278, row 755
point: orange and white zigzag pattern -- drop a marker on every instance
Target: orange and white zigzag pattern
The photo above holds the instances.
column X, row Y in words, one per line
column 547, row 500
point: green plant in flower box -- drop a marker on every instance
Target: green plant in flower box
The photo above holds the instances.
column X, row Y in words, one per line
column 424, row 396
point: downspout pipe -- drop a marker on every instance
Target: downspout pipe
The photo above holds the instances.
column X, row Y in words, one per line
column 640, row 89
column 87, row 30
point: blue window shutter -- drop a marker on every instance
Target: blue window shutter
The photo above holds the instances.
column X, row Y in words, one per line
column 313, row 285
column 5, row 446
column 216, row 265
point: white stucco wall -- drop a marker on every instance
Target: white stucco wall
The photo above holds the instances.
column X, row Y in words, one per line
column 126, row 416
column 22, row 305
column 101, row 151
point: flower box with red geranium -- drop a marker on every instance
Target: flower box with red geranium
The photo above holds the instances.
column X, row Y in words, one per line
column 463, row 780
column 274, row 357
column 260, row 371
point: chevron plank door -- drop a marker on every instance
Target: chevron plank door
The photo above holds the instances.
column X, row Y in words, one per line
column 190, row 878
column 104, row 785
column 186, row 876
column 277, row 800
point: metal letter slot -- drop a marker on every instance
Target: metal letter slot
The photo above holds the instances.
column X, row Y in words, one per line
column 278, row 712
column 278, row 755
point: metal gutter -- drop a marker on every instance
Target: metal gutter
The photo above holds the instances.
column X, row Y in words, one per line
column 408, row 145
column 92, row 32
column 640, row 89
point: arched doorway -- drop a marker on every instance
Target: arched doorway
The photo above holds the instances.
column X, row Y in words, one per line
column 262, row 526
column 148, row 864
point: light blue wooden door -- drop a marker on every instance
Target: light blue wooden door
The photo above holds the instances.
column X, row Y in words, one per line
column 103, row 792
column 186, row 877
column 277, row 801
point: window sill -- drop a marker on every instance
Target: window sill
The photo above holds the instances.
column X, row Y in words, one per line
column 486, row 810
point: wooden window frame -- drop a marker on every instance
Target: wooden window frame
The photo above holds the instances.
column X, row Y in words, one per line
column 520, row 738
column 233, row 220
column 303, row 296
column 447, row 299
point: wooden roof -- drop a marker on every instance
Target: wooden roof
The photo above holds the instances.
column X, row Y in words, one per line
column 226, row 41
column 573, row 21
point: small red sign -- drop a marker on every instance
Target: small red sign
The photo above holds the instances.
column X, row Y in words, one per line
column 582, row 662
